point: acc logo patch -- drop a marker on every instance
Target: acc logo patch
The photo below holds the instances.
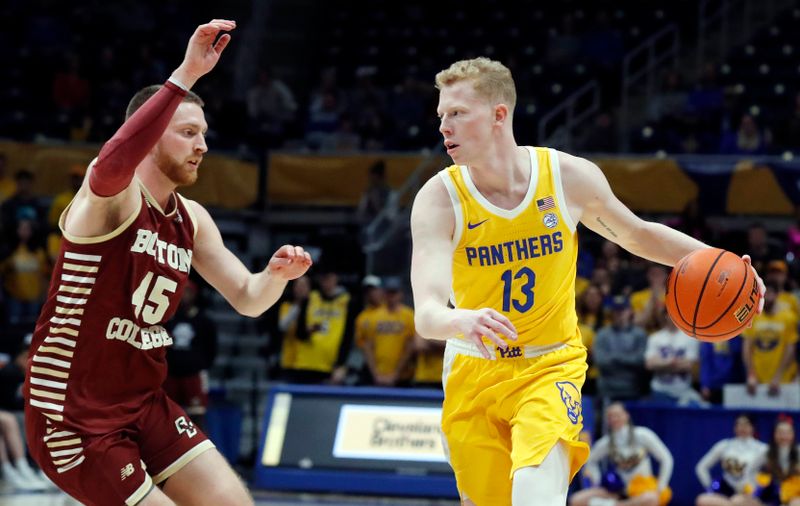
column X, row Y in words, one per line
column 550, row 220
column 571, row 397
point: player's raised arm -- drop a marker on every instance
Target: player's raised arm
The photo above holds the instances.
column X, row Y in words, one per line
column 120, row 156
column 104, row 201
column 432, row 226
column 249, row 294
column 588, row 191
column 589, row 196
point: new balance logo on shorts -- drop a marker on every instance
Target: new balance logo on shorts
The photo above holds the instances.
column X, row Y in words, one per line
column 126, row 471
column 184, row 425
column 512, row 352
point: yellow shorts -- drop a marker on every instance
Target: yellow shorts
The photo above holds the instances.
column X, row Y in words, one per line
column 506, row 413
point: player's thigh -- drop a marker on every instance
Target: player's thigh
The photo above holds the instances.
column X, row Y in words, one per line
column 549, row 411
column 207, row 480
column 478, row 442
column 105, row 471
column 168, row 439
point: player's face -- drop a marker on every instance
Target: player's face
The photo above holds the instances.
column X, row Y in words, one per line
column 466, row 121
column 180, row 150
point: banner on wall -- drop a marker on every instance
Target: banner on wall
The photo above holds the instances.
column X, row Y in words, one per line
column 389, row 433
column 354, row 440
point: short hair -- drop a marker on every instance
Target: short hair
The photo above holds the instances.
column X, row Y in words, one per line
column 492, row 80
column 145, row 93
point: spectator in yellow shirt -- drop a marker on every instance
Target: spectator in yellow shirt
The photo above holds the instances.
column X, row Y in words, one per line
column 648, row 303
column 591, row 318
column 769, row 346
column 778, row 273
column 389, row 340
column 60, row 202
column 25, row 271
column 373, row 300
column 430, row 361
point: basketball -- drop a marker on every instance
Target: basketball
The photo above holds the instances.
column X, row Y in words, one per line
column 712, row 294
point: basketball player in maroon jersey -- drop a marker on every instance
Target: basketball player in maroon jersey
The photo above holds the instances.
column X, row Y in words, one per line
column 98, row 422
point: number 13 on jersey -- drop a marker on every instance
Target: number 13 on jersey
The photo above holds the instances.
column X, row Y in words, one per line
column 525, row 302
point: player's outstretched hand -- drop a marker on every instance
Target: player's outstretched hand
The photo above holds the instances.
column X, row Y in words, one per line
column 289, row 262
column 761, row 287
column 204, row 48
column 486, row 322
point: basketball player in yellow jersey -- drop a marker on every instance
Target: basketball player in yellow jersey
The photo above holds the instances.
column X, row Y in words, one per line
column 495, row 235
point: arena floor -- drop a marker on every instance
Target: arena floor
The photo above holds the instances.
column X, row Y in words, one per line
column 261, row 499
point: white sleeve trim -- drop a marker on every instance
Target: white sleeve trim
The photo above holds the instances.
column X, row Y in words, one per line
column 555, row 167
column 178, row 83
column 459, row 215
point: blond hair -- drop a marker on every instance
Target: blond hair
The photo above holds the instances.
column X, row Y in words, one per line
column 492, row 80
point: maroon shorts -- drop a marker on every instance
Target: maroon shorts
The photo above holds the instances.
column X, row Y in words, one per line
column 191, row 392
column 122, row 466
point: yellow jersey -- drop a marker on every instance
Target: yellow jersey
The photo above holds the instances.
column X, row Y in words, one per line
column 326, row 320
column 390, row 332
column 364, row 324
column 770, row 335
column 522, row 261
column 787, row 301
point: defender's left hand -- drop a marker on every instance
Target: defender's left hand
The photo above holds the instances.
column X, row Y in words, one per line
column 289, row 262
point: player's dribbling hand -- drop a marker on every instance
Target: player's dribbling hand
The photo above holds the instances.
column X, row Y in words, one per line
column 204, row 50
column 761, row 287
column 289, row 262
column 486, row 322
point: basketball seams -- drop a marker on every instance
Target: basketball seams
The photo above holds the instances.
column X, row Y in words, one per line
column 734, row 331
column 702, row 291
column 733, row 300
column 674, row 278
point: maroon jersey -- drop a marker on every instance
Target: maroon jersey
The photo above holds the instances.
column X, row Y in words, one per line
column 99, row 348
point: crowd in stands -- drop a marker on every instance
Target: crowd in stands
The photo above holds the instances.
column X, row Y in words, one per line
column 748, row 104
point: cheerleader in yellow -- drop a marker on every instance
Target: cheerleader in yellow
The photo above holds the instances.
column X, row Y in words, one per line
column 493, row 272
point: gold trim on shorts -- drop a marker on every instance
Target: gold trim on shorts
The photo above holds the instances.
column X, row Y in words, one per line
column 183, row 460
column 140, row 492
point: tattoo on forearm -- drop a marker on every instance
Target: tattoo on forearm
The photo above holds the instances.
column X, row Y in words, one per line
column 614, row 234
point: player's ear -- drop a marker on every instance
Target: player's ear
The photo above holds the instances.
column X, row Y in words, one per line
column 500, row 114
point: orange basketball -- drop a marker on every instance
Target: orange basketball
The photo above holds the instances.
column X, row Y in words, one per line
column 712, row 294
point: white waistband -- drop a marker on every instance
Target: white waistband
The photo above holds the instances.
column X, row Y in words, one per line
column 528, row 351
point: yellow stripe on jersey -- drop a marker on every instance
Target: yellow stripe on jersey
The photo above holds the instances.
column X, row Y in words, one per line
column 521, row 262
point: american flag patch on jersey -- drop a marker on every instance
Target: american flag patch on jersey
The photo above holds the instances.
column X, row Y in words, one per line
column 546, row 203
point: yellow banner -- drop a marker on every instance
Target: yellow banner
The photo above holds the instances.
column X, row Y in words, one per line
column 222, row 182
column 650, row 185
column 335, row 180
column 754, row 190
